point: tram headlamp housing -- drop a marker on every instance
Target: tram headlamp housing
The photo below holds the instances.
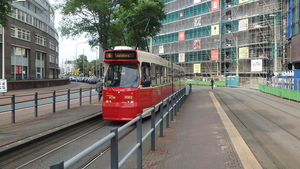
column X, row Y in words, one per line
column 131, row 101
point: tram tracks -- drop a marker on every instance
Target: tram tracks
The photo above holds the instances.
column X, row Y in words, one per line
column 60, row 146
column 259, row 116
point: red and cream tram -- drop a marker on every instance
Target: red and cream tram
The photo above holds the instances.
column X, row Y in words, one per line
column 136, row 80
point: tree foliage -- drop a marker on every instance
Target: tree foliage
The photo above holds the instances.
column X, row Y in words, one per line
column 81, row 64
column 93, row 67
column 141, row 18
column 5, row 10
column 112, row 22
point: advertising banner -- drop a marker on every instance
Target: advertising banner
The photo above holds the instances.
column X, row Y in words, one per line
column 197, row 44
column 215, row 5
column 197, row 21
column 256, row 65
column 181, row 57
column 243, row 52
column 181, row 36
column 243, row 25
column 197, row 68
column 3, row 85
column 161, row 49
column 242, row 1
column 215, row 30
column 214, row 54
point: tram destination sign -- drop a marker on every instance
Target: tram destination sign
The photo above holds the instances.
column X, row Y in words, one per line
column 120, row 55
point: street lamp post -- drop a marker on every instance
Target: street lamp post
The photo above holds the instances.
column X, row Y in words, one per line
column 3, row 54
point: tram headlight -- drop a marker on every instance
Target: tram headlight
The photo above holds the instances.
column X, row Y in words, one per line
column 108, row 101
column 130, row 101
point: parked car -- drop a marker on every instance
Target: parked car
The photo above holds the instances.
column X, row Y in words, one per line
column 92, row 81
column 73, row 78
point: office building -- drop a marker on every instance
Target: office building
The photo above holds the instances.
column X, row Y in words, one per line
column 30, row 42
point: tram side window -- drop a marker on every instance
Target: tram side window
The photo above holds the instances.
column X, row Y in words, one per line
column 176, row 72
column 153, row 74
column 146, row 74
column 158, row 75
column 164, row 80
column 168, row 73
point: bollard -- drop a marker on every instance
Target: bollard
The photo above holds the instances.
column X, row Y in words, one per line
column 36, row 104
column 13, row 109
column 68, row 98
column 80, row 97
column 54, row 101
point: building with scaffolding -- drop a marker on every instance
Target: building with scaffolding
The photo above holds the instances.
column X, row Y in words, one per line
column 225, row 37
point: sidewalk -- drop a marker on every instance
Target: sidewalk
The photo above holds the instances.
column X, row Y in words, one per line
column 198, row 138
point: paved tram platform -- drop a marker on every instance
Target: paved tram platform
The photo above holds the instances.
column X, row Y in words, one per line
column 200, row 137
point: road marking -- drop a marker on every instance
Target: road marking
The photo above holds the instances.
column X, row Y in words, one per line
column 245, row 154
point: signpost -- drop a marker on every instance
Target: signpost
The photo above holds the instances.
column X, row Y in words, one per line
column 3, row 86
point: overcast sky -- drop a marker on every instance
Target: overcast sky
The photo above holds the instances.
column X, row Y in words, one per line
column 67, row 47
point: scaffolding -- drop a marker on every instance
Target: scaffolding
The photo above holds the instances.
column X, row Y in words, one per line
column 226, row 37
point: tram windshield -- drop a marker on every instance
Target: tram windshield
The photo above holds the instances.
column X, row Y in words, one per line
column 120, row 75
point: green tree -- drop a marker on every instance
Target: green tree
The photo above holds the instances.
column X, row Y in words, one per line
column 5, row 10
column 93, row 66
column 112, row 22
column 141, row 19
column 81, row 64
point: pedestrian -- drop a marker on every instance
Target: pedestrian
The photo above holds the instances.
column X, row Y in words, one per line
column 99, row 87
column 212, row 83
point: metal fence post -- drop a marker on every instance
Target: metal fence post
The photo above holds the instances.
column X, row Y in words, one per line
column 168, row 113
column 54, row 101
column 153, row 127
column 161, row 113
column 57, row 166
column 36, row 104
column 139, row 141
column 114, row 156
column 91, row 95
column 68, row 98
column 13, row 109
column 175, row 106
column 172, row 107
column 80, row 97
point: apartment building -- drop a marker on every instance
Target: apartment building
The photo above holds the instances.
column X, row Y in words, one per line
column 30, row 42
column 226, row 37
